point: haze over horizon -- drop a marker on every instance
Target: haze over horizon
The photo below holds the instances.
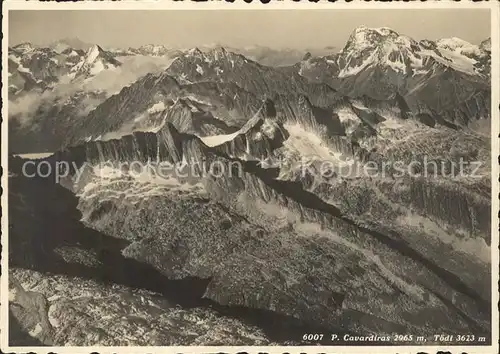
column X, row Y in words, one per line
column 279, row 29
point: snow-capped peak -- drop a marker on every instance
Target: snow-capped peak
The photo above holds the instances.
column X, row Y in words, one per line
column 486, row 45
column 220, row 50
column 92, row 53
column 24, row 47
column 74, row 43
column 153, row 49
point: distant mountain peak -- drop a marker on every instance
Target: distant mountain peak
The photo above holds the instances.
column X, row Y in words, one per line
column 213, row 55
column 427, row 44
column 383, row 46
column 459, row 46
column 363, row 38
column 195, row 52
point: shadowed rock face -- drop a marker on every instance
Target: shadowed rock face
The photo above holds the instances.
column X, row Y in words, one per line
column 58, row 118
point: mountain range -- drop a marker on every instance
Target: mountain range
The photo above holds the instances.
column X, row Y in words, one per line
column 276, row 245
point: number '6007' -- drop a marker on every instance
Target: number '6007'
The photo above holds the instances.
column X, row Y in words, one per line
column 312, row 336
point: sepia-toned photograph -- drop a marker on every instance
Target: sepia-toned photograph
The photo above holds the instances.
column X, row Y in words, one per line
column 264, row 177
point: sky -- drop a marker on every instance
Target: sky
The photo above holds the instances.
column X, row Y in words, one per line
column 297, row 29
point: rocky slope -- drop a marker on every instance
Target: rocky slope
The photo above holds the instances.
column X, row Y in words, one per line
column 244, row 231
column 35, row 68
column 220, row 65
column 433, row 77
column 277, row 57
column 204, row 184
column 70, row 43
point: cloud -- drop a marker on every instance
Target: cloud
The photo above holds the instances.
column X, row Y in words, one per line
column 22, row 107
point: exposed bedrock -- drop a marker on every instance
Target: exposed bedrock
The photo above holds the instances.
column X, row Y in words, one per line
column 444, row 202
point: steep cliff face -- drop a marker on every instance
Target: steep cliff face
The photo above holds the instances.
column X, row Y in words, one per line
column 454, row 89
